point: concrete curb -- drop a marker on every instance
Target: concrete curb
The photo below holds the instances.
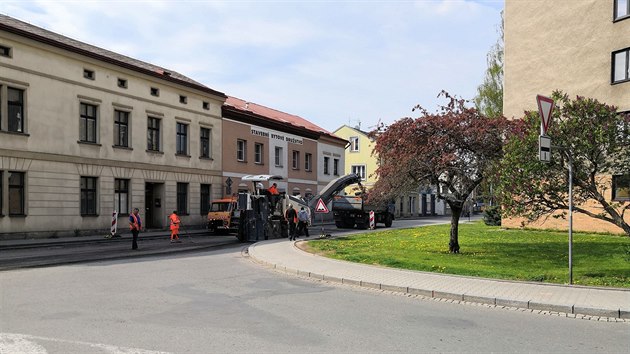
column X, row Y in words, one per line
column 431, row 293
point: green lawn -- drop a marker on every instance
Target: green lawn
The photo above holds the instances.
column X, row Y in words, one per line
column 491, row 252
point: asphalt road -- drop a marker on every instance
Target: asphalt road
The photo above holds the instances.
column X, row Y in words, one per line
column 220, row 301
column 52, row 252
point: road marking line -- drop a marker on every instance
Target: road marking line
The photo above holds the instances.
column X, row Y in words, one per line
column 23, row 343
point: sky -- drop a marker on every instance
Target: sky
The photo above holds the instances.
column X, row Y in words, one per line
column 330, row 62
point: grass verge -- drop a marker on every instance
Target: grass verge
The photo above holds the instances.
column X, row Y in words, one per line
column 491, row 252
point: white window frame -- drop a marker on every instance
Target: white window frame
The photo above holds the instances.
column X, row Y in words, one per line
column 308, row 162
column 296, row 160
column 356, row 169
column 241, row 149
column 278, row 157
column 354, row 143
column 258, row 153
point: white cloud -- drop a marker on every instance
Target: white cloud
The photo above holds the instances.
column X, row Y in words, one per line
column 325, row 61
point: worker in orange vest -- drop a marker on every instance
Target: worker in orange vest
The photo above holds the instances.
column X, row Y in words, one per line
column 273, row 198
column 135, row 225
column 273, row 190
column 174, row 218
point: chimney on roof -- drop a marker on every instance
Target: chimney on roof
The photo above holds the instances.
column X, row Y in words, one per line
column 246, row 105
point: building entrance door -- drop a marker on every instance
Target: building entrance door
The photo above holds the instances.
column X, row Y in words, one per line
column 153, row 197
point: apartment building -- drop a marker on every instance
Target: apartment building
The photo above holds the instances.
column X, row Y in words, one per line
column 359, row 160
column 580, row 47
column 85, row 132
column 261, row 140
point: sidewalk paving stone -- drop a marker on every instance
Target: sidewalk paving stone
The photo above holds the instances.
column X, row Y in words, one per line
column 548, row 298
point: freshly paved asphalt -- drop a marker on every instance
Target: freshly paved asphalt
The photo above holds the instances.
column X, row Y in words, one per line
column 285, row 256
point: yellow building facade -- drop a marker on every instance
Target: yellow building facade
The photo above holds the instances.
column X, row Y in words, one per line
column 359, row 160
column 579, row 47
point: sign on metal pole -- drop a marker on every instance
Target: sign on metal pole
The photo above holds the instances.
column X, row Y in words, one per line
column 321, row 206
column 544, row 148
column 545, row 107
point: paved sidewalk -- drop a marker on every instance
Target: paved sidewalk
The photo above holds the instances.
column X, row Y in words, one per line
column 603, row 302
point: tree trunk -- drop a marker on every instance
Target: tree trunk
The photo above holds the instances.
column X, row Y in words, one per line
column 453, row 245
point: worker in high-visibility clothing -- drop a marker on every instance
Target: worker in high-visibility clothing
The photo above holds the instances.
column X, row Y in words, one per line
column 135, row 225
column 174, row 218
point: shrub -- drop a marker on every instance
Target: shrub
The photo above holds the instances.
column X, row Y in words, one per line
column 492, row 216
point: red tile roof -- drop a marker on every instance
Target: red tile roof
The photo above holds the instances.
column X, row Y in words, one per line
column 282, row 117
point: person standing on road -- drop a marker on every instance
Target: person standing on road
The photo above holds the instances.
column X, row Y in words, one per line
column 135, row 224
column 174, row 218
column 291, row 217
column 302, row 222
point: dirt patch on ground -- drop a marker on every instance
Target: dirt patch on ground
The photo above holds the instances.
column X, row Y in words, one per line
column 306, row 247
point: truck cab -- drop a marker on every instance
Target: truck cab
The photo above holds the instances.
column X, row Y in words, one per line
column 220, row 216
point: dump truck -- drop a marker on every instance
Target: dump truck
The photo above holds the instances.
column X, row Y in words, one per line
column 349, row 211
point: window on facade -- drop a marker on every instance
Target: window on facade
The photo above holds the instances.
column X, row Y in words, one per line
column 183, row 99
column 205, row 105
column 15, row 103
column 296, row 160
column 88, row 196
column 5, row 51
column 204, row 143
column 278, row 157
column 182, row 139
column 258, row 153
column 87, row 124
column 241, row 150
column 16, row 193
column 359, row 170
column 354, row 143
column 622, row 9
column 621, row 65
column 204, row 197
column 326, row 163
column 121, row 128
column 153, row 134
column 621, row 187
column 89, row 74
column 121, row 196
column 182, row 198
column 155, row 91
column 122, row 83
column 308, row 161
column 336, row 167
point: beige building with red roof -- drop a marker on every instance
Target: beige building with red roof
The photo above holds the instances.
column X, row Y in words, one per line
column 85, row 132
column 262, row 140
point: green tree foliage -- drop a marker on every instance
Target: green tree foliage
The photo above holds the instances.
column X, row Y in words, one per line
column 452, row 149
column 596, row 139
column 489, row 99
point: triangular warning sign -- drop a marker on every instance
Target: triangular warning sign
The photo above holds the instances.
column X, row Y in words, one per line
column 321, row 206
column 545, row 107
